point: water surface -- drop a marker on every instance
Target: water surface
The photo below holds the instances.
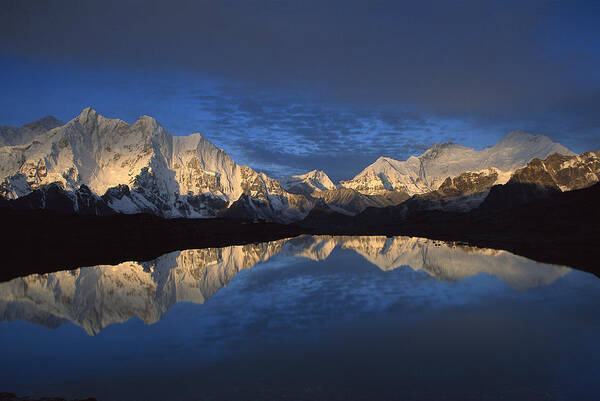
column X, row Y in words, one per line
column 306, row 318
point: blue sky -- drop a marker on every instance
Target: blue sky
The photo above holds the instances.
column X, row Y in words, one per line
column 286, row 87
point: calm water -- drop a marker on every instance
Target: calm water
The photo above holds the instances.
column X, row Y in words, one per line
column 358, row 318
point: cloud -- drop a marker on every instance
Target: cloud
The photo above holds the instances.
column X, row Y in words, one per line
column 284, row 136
column 447, row 57
column 334, row 83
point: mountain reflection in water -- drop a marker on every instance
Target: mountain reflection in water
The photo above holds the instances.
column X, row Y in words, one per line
column 98, row 296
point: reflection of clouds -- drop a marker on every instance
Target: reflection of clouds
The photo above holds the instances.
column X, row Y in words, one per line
column 95, row 297
column 306, row 303
column 275, row 73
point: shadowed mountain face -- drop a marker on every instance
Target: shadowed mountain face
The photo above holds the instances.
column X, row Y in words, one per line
column 348, row 201
column 95, row 297
column 10, row 136
column 544, row 178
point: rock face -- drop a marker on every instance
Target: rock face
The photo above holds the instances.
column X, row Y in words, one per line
column 306, row 184
column 427, row 173
column 469, row 183
column 95, row 297
column 350, row 202
column 273, row 207
column 542, row 178
column 471, row 190
column 139, row 168
column 458, row 194
column 565, row 173
column 54, row 197
column 26, row 133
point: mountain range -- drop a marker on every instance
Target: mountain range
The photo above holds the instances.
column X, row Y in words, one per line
column 425, row 173
column 96, row 165
column 95, row 297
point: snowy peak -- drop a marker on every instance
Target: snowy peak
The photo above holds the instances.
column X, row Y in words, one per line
column 148, row 123
column 87, row 113
column 425, row 173
column 89, row 118
column 306, row 184
column 383, row 163
column 143, row 168
column 44, row 124
column 26, row 133
column 439, row 149
column 139, row 168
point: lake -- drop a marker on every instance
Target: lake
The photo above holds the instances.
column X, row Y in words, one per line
column 307, row 318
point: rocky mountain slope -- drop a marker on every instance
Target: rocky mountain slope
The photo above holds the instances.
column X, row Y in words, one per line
column 456, row 194
column 565, row 173
column 427, row 172
column 95, row 297
column 349, row 201
column 538, row 179
column 542, row 178
column 142, row 168
column 54, row 197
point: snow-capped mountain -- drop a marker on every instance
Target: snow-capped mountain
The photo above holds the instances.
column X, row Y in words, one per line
column 141, row 168
column 541, row 178
column 26, row 133
column 316, row 184
column 306, row 184
column 470, row 190
column 428, row 171
column 95, row 297
column 462, row 193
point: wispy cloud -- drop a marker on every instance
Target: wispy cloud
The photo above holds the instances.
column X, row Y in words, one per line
column 291, row 86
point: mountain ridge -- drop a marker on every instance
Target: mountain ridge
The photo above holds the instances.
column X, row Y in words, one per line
column 307, row 183
column 167, row 175
column 425, row 173
column 27, row 132
column 142, row 168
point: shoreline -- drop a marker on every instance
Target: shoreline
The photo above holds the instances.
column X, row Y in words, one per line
column 41, row 241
